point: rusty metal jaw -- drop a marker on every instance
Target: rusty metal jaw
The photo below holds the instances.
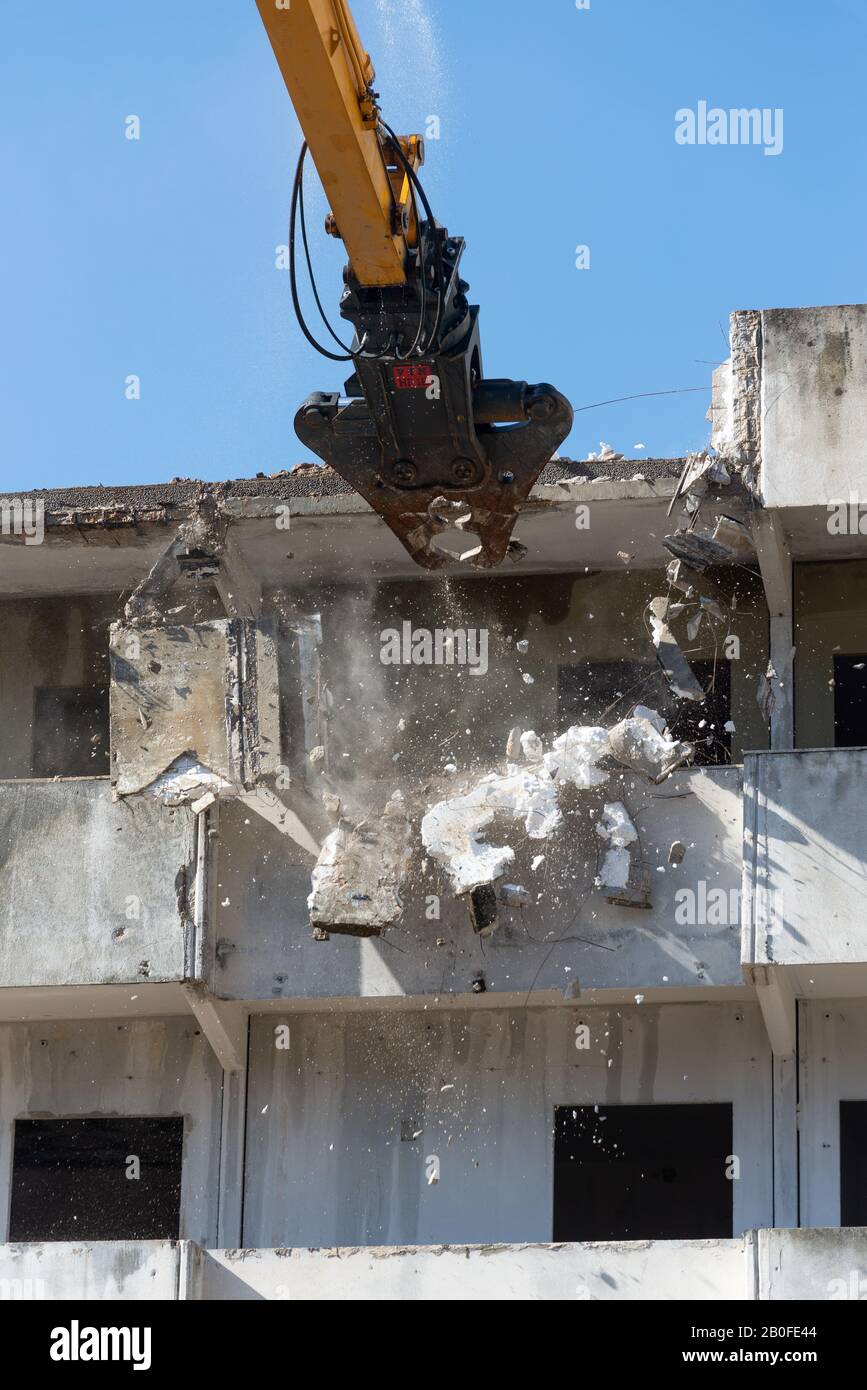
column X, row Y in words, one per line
column 420, row 434
column 414, row 488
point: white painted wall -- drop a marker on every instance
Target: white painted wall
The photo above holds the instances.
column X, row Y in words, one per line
column 325, row 1161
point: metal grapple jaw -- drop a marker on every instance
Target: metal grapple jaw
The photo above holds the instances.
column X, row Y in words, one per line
column 432, row 453
column 430, row 444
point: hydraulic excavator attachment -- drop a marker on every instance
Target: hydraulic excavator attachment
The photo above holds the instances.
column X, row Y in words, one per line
column 418, row 432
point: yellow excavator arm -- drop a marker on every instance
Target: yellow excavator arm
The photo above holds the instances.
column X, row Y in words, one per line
column 418, row 431
column 329, row 78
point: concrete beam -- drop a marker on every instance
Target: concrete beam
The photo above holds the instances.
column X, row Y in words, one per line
column 224, row 1025
column 239, row 589
column 777, row 1002
column 288, row 821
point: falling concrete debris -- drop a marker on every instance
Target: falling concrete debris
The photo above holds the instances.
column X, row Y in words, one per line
column 357, row 881
column 716, row 610
column 652, row 716
column 676, row 668
column 452, row 830
column 615, row 827
column 736, row 537
column 621, row 876
column 575, row 755
column 532, row 747
column 697, row 549
column 638, row 743
column 699, row 471
column 683, row 579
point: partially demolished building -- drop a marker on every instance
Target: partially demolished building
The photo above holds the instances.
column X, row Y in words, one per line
column 501, row 932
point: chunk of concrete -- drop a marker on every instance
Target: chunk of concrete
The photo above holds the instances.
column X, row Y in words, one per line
column 638, row 744
column 677, row 670
column 620, row 874
column 452, row 831
column 575, row 755
column 193, row 709
column 357, row 881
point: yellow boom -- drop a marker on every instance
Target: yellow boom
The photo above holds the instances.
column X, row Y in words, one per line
column 329, row 77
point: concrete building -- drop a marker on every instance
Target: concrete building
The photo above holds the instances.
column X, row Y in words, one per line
column 359, row 937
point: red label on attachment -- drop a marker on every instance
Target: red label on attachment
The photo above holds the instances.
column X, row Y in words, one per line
column 411, row 378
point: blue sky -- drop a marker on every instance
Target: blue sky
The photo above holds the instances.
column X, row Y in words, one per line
column 157, row 257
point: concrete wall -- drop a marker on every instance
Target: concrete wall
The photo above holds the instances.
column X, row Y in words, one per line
column 265, row 949
column 814, row 405
column 63, row 641
column 813, row 1264
column 326, row 1164
column 805, row 847
column 108, row 1270
column 770, row 1265
column 833, row 1045
column 649, row 1270
column 92, row 891
column 146, row 1067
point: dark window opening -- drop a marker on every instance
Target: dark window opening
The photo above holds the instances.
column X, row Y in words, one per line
column 602, row 692
column 113, row 1179
column 597, row 692
column 853, row 1163
column 705, row 724
column 70, row 732
column 850, row 701
column 642, row 1172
